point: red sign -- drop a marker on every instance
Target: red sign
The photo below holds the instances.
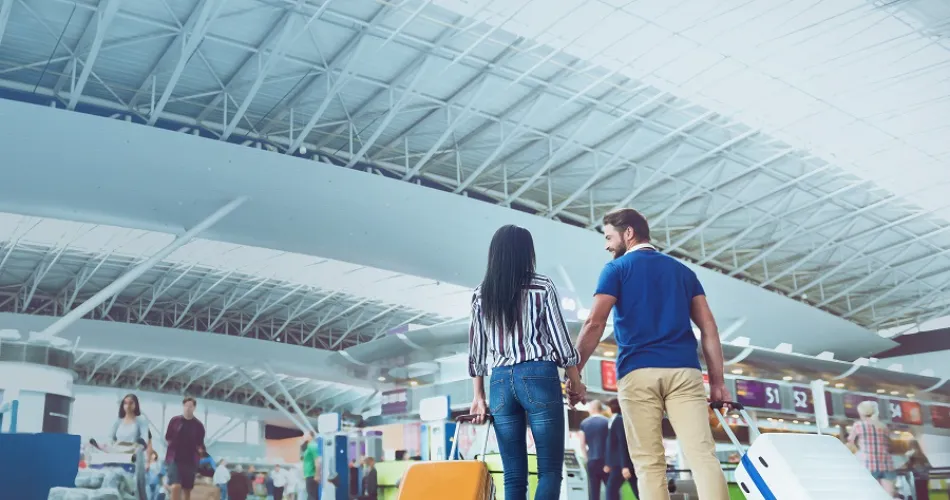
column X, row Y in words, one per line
column 906, row 412
column 608, row 375
column 940, row 416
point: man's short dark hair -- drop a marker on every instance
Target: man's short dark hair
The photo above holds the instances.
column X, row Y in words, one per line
column 189, row 399
column 627, row 217
column 614, row 405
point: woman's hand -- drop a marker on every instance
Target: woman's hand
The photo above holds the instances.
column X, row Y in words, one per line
column 626, row 473
column 576, row 392
column 479, row 409
column 606, row 469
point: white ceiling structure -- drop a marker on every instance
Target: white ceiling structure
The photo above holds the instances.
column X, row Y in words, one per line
column 798, row 146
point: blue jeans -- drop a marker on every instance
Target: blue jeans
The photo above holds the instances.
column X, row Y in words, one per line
column 223, row 490
column 522, row 395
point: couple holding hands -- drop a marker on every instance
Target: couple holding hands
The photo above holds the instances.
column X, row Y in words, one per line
column 516, row 318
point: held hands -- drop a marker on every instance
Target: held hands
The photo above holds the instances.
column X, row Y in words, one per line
column 626, row 473
column 576, row 391
column 606, row 469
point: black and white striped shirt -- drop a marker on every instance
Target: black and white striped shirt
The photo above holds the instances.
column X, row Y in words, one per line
column 541, row 334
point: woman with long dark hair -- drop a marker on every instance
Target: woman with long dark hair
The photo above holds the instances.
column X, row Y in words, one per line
column 132, row 427
column 516, row 317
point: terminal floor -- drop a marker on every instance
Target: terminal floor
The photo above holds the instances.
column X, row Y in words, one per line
column 736, row 494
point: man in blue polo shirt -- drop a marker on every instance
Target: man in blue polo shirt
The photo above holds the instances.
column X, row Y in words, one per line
column 654, row 297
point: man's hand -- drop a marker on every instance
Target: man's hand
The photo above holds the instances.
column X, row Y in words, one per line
column 718, row 392
column 479, row 409
column 626, row 473
column 606, row 469
column 576, row 392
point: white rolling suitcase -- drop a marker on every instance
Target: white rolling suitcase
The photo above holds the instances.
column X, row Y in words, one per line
column 799, row 466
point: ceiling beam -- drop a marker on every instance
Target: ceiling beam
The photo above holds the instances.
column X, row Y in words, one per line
column 102, row 19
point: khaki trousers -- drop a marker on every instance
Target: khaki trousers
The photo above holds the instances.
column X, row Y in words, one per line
column 645, row 395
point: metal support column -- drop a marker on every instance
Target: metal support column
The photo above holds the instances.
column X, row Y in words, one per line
column 270, row 399
column 118, row 285
column 293, row 403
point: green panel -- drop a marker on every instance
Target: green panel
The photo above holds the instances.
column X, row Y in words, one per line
column 626, row 492
column 735, row 493
column 387, row 475
column 499, row 479
column 493, row 460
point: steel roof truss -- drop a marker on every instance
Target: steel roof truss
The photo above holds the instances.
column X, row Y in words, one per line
column 187, row 43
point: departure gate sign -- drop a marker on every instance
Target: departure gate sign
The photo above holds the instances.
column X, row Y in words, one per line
column 804, row 400
column 851, row 402
column 758, row 394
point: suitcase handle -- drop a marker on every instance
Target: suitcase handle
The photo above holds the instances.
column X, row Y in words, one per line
column 753, row 428
column 458, row 427
column 471, row 418
column 716, row 405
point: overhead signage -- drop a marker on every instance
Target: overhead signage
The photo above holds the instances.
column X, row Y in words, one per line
column 395, row 402
column 328, row 423
column 608, row 375
column 803, row 400
column 434, row 409
column 906, row 412
column 851, row 402
column 940, row 416
column 758, row 394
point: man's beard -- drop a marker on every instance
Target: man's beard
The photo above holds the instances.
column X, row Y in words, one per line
column 620, row 251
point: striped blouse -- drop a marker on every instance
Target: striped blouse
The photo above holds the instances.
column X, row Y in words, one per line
column 541, row 334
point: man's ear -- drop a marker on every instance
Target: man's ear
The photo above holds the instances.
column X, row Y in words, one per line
column 629, row 234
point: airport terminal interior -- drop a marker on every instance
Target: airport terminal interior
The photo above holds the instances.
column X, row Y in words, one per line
column 270, row 216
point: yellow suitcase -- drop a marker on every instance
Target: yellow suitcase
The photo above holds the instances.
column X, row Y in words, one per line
column 450, row 479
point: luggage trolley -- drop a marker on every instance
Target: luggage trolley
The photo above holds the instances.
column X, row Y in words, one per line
column 797, row 466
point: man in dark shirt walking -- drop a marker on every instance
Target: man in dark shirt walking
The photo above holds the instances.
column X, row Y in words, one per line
column 184, row 435
column 594, row 445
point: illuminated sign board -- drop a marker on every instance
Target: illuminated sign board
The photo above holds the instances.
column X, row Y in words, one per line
column 906, row 412
column 851, row 402
column 758, row 394
column 940, row 416
column 608, row 375
column 803, row 400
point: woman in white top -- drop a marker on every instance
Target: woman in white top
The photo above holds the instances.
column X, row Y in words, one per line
column 132, row 427
column 279, row 476
column 221, row 477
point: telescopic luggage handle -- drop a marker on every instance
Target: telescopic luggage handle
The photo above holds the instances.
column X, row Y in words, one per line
column 718, row 405
column 458, row 427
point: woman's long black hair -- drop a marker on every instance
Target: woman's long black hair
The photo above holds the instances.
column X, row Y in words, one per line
column 511, row 264
column 135, row 399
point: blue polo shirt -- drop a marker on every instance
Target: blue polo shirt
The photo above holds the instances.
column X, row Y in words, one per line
column 651, row 317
